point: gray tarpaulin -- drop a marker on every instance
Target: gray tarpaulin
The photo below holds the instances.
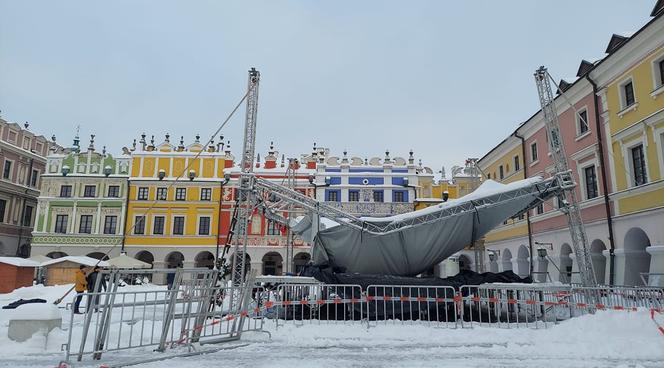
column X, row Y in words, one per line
column 420, row 244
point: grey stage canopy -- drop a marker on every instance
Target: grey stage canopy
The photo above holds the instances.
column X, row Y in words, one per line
column 413, row 242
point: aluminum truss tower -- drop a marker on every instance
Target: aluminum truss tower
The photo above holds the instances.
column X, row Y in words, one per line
column 567, row 198
column 245, row 200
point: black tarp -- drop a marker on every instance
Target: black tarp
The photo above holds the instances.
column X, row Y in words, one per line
column 399, row 286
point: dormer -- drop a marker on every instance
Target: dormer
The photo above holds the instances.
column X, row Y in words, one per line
column 658, row 9
column 563, row 86
column 585, row 67
column 615, row 42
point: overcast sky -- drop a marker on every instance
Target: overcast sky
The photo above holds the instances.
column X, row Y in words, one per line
column 448, row 79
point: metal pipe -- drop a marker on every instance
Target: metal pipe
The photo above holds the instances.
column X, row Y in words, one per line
column 525, row 176
column 124, row 226
column 21, row 220
column 605, row 186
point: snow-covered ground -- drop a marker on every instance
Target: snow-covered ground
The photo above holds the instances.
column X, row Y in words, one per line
column 607, row 339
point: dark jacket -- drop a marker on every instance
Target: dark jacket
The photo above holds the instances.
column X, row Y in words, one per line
column 92, row 280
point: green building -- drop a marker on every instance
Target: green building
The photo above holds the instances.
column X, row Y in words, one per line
column 81, row 209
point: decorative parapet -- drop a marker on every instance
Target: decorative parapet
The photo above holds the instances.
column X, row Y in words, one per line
column 77, row 239
column 270, row 241
column 372, row 208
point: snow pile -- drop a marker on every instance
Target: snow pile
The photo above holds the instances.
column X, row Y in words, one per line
column 35, row 312
column 607, row 339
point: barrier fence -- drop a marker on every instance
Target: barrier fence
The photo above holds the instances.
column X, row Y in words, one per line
column 200, row 309
column 197, row 308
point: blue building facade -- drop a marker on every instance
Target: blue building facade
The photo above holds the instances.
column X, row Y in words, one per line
column 370, row 186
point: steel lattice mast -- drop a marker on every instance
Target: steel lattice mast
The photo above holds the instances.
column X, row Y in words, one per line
column 567, row 198
column 245, row 199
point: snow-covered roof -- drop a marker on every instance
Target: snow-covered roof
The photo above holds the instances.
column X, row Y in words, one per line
column 19, row 262
column 86, row 261
column 124, row 261
column 39, row 258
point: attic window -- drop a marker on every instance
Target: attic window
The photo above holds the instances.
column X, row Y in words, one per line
column 585, row 67
column 615, row 42
column 563, row 86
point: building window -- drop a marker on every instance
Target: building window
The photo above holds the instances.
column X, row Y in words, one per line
column 178, row 225
column 378, row 196
column 582, row 120
column 162, row 193
column 639, row 166
column 143, row 193
column 540, row 209
column 517, row 165
column 61, row 224
column 139, row 225
column 206, row 194
column 398, row 196
column 3, row 205
column 660, row 67
column 181, row 194
column 85, row 226
column 272, row 228
column 110, row 224
column 7, row 171
column 533, row 152
column 591, row 182
column 114, row 191
column 65, row 191
column 33, row 178
column 488, row 176
column 89, row 191
column 158, row 227
column 333, row 196
column 628, row 94
column 353, row 196
column 501, row 172
column 27, row 216
column 204, row 226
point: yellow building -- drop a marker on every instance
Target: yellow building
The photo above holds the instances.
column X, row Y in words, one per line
column 505, row 164
column 174, row 222
column 431, row 192
column 630, row 83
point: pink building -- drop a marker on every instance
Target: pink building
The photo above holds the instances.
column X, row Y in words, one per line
column 22, row 158
column 547, row 227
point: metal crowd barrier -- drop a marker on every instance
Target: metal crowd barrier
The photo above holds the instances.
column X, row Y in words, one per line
column 201, row 309
column 299, row 303
column 432, row 305
column 509, row 306
column 197, row 307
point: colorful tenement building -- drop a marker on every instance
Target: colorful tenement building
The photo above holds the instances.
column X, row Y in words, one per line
column 612, row 125
column 82, row 204
column 173, row 202
column 267, row 242
column 23, row 158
